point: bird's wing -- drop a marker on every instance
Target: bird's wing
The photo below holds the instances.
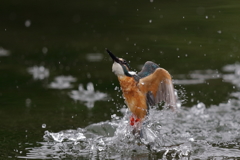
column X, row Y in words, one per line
column 157, row 85
column 147, row 69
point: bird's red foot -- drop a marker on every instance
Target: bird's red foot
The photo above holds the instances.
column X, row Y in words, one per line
column 133, row 120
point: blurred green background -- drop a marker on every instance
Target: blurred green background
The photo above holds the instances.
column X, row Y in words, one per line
column 181, row 36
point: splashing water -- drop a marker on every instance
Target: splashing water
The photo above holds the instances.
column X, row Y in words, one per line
column 38, row 72
column 199, row 76
column 88, row 96
column 196, row 132
column 62, row 82
column 234, row 75
column 4, row 52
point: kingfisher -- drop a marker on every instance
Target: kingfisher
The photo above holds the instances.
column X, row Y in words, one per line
column 149, row 87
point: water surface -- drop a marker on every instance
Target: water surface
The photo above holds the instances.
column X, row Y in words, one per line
column 59, row 98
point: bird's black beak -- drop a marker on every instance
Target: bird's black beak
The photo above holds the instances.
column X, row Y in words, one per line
column 115, row 59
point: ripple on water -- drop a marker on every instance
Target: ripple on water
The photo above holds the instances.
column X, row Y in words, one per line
column 4, row 52
column 88, row 96
column 234, row 74
column 62, row 82
column 198, row 77
column 38, row 72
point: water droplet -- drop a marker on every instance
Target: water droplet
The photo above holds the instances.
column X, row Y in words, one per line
column 27, row 23
column 158, row 126
column 28, row 102
column 229, row 101
column 44, row 125
column 113, row 116
column 90, row 87
column 94, row 57
column 150, row 21
column 178, row 104
column 44, row 50
column 88, row 75
column 200, row 105
column 4, row 52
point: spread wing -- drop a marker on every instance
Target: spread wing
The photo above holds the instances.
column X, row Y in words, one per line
column 156, row 83
column 148, row 68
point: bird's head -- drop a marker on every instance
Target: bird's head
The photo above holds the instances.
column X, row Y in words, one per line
column 120, row 66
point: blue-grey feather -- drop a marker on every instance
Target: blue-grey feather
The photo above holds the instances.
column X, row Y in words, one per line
column 148, row 68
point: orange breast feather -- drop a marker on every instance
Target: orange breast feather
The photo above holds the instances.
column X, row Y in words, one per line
column 135, row 99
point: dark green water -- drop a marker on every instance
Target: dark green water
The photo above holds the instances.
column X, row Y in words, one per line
column 182, row 36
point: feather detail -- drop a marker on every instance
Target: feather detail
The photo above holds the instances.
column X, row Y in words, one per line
column 134, row 99
column 159, row 84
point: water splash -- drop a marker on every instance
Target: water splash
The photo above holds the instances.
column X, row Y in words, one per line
column 88, row 96
column 172, row 141
column 62, row 82
column 198, row 109
column 198, row 132
column 115, row 139
column 234, row 75
column 198, row 77
column 205, row 74
column 38, row 72
column 4, row 52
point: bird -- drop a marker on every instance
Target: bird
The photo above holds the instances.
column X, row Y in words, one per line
column 144, row 89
